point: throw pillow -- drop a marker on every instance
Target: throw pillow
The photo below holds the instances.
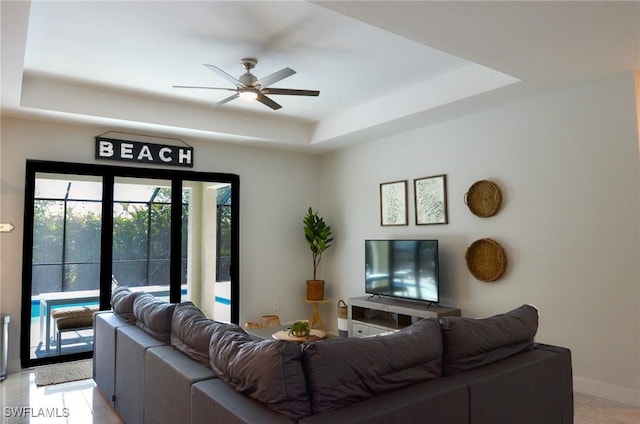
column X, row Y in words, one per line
column 344, row 371
column 471, row 343
column 268, row 371
column 122, row 299
column 154, row 316
column 191, row 332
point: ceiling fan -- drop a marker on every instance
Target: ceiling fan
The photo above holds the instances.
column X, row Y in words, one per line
column 250, row 87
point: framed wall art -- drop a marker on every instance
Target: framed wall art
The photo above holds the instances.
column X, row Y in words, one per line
column 431, row 200
column 393, row 203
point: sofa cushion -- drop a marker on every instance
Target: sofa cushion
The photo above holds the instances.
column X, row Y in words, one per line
column 191, row 332
column 154, row 316
column 470, row 343
column 122, row 299
column 344, row 371
column 268, row 371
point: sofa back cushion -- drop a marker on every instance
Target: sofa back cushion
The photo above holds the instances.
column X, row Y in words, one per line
column 268, row 371
column 154, row 316
column 122, row 299
column 340, row 372
column 470, row 343
column 191, row 332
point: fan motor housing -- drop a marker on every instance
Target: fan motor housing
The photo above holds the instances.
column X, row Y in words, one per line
column 248, row 78
column 248, row 62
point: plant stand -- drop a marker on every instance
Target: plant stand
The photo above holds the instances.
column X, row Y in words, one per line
column 315, row 314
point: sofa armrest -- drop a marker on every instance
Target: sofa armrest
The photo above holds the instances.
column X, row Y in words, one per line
column 566, row 379
column 105, row 324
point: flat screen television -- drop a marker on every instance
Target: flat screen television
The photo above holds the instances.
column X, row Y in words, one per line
column 406, row 269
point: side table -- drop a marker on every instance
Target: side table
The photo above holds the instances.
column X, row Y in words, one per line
column 315, row 314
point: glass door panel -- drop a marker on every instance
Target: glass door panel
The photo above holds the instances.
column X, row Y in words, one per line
column 142, row 234
column 67, row 221
column 207, row 246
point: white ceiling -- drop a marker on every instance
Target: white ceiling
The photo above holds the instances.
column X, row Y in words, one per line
column 381, row 67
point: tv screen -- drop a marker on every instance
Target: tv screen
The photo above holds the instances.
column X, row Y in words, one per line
column 402, row 268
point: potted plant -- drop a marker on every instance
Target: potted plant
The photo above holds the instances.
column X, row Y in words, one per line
column 300, row 329
column 318, row 236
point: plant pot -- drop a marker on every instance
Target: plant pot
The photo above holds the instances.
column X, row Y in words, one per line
column 315, row 289
column 299, row 333
column 300, row 329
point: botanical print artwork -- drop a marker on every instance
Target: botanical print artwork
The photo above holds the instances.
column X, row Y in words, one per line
column 393, row 203
column 393, row 207
column 431, row 203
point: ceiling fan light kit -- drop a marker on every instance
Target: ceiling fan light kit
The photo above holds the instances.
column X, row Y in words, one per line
column 249, row 87
column 248, row 95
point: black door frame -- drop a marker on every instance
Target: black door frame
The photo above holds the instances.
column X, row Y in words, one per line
column 108, row 174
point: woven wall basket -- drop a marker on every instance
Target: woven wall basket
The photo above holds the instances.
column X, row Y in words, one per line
column 484, row 198
column 486, row 259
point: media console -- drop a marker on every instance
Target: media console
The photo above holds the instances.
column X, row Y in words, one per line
column 370, row 316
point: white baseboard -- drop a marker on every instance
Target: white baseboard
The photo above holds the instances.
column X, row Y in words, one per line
column 608, row 391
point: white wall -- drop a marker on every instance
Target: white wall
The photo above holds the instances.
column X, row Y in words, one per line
column 276, row 188
column 568, row 168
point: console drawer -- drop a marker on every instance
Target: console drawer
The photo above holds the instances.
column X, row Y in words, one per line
column 360, row 330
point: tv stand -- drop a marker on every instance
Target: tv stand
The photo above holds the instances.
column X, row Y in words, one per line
column 370, row 316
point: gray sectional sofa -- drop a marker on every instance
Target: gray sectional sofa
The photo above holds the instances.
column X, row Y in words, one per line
column 167, row 363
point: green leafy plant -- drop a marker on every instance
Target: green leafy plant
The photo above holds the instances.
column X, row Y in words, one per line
column 300, row 329
column 318, row 236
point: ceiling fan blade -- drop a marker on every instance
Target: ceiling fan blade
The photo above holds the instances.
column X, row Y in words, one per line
column 267, row 101
column 225, row 75
column 207, row 88
column 290, row 92
column 228, row 99
column 275, row 77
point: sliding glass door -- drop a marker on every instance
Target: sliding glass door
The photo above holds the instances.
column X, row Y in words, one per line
column 90, row 228
column 65, row 268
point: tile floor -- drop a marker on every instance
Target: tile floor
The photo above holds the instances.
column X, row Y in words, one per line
column 593, row 410
column 81, row 402
column 69, row 403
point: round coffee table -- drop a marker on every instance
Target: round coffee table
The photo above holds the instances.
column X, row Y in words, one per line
column 313, row 335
